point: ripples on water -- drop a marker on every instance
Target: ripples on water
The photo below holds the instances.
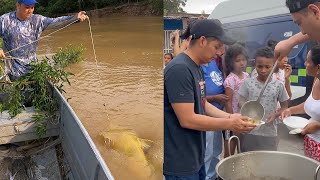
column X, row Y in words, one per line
column 129, row 91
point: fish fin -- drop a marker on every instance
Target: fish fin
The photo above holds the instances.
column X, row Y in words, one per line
column 145, row 143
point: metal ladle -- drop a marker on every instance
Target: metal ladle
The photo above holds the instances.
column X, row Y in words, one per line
column 254, row 109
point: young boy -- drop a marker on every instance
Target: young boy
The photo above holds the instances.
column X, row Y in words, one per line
column 263, row 137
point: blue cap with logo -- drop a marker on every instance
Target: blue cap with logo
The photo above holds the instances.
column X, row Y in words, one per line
column 27, row 2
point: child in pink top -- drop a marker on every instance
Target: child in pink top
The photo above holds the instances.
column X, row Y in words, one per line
column 233, row 82
column 236, row 61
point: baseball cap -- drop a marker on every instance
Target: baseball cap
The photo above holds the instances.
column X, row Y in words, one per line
column 27, row 2
column 210, row 28
column 297, row 5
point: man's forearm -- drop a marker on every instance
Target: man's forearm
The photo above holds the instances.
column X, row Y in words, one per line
column 215, row 112
column 62, row 21
column 298, row 39
column 299, row 109
column 205, row 123
column 176, row 46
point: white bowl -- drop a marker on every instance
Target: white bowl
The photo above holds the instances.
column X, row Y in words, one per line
column 295, row 122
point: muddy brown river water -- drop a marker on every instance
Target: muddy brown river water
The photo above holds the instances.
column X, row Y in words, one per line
column 128, row 94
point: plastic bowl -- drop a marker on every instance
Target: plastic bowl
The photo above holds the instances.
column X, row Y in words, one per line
column 295, row 122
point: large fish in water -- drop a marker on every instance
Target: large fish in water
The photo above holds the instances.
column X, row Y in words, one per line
column 127, row 142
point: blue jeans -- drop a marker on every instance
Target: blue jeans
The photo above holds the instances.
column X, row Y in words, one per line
column 213, row 151
column 200, row 175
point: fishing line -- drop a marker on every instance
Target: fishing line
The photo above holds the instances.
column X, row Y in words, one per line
column 94, row 52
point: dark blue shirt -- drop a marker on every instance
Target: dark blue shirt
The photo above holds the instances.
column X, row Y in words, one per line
column 184, row 149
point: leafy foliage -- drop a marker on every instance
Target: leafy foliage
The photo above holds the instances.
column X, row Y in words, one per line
column 71, row 53
column 35, row 88
column 13, row 104
column 173, row 6
column 157, row 6
column 41, row 127
column 7, row 6
column 59, row 7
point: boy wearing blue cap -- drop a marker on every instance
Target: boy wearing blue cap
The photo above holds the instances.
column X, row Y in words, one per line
column 19, row 29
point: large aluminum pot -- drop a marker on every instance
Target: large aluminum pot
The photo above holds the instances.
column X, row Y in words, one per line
column 267, row 165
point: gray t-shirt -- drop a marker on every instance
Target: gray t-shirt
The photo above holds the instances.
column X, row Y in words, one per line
column 184, row 149
column 274, row 92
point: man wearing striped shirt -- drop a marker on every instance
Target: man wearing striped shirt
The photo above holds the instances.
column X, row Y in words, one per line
column 20, row 31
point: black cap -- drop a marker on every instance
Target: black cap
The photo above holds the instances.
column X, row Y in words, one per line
column 297, row 5
column 210, row 28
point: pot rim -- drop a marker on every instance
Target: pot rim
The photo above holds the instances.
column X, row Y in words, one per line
column 263, row 152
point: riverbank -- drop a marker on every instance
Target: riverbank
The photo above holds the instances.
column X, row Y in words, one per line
column 132, row 9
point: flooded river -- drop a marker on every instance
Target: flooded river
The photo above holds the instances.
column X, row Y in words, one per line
column 128, row 94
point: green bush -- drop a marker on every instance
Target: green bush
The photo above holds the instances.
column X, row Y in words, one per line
column 157, row 7
column 61, row 7
column 7, row 6
column 35, row 88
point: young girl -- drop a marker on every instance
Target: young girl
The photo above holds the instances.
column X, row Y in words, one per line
column 236, row 62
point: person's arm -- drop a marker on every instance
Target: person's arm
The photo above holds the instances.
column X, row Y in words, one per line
column 176, row 45
column 288, row 87
column 228, row 106
column 284, row 47
column 311, row 128
column 58, row 22
column 228, row 85
column 82, row 16
column 213, row 111
column 299, row 109
column 218, row 98
column 283, row 106
column 190, row 120
column 287, row 83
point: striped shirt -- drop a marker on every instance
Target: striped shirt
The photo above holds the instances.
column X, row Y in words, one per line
column 17, row 33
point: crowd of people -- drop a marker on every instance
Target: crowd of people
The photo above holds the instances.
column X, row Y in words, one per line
column 206, row 84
